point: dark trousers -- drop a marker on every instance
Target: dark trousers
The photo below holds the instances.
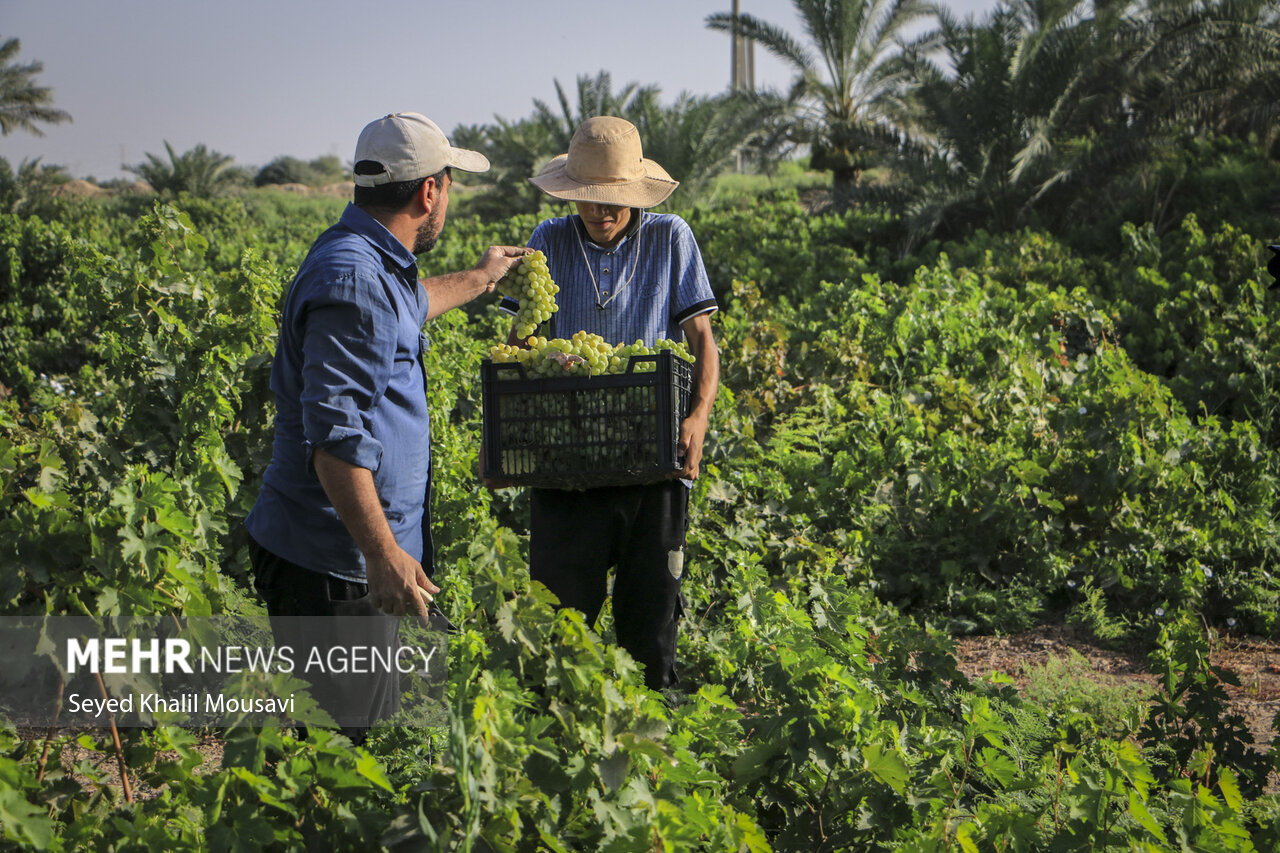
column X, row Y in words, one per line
column 315, row 613
column 577, row 536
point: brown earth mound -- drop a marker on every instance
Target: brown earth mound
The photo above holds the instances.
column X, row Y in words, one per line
column 77, row 188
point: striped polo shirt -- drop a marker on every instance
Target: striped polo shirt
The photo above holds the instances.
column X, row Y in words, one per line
column 642, row 288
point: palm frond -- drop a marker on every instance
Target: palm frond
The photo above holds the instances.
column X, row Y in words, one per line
column 23, row 104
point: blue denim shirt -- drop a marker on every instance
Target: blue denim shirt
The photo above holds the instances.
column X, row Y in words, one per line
column 349, row 378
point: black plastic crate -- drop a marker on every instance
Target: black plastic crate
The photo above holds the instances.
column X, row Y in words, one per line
column 580, row 432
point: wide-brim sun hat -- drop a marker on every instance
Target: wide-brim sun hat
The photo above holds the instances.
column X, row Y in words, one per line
column 605, row 164
column 409, row 146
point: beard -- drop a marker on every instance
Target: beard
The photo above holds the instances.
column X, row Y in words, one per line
column 428, row 232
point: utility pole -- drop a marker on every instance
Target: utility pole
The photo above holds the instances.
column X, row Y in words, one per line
column 742, row 71
column 742, row 64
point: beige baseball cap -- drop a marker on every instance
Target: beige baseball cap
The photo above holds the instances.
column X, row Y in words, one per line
column 410, row 146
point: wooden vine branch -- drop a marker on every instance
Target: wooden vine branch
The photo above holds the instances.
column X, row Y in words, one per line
column 115, row 738
column 53, row 727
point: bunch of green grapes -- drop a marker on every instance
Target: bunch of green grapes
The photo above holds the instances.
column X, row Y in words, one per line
column 624, row 352
column 594, row 355
column 536, row 357
column 529, row 282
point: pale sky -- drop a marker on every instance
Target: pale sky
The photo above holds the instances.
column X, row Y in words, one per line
column 262, row 79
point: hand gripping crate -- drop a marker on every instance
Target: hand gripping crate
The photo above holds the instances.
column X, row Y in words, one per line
column 580, row 432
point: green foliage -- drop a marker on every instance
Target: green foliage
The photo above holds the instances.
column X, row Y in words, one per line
column 968, row 445
column 1190, row 730
column 291, row 170
column 1068, row 688
column 1215, row 177
column 791, row 177
column 1001, row 117
column 1208, row 66
column 44, row 312
column 996, row 447
column 29, row 190
column 199, row 172
column 555, row 741
column 1198, row 315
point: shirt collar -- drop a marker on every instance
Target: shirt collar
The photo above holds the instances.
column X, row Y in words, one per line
column 360, row 222
column 637, row 219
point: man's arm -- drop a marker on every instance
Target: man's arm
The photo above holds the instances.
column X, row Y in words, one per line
column 394, row 576
column 453, row 289
column 706, row 382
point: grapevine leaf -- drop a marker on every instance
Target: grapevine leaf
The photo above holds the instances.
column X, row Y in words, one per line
column 753, row 763
column 133, row 546
column 999, row 767
column 371, row 769
column 722, row 491
column 23, row 822
column 613, row 769
column 109, row 602
column 1030, row 473
column 1048, row 501
column 1138, row 809
column 1230, row 791
column 174, row 520
column 964, row 835
column 49, row 478
column 887, row 765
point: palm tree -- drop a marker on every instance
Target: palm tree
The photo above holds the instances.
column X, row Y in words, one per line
column 30, row 187
column 198, row 172
column 845, row 82
column 697, row 138
column 1055, row 109
column 22, row 102
column 1010, row 112
column 516, row 150
column 1209, row 65
column 595, row 98
column 694, row 138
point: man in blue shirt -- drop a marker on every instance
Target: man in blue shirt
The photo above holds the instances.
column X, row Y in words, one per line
column 625, row 274
column 341, row 526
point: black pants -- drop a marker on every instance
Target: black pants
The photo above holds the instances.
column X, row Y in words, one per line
column 314, row 613
column 576, row 536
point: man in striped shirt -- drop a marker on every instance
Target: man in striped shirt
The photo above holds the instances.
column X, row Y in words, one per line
column 625, row 274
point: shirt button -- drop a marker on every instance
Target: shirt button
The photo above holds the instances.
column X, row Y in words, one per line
column 606, row 269
column 604, row 293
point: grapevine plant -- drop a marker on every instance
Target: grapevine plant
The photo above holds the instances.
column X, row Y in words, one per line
column 984, row 441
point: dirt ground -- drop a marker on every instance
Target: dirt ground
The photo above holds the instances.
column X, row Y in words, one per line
column 1255, row 662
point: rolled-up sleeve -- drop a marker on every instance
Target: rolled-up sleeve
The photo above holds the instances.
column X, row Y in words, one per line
column 347, row 359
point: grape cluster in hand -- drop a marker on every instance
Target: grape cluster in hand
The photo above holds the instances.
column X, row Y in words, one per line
column 529, row 282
